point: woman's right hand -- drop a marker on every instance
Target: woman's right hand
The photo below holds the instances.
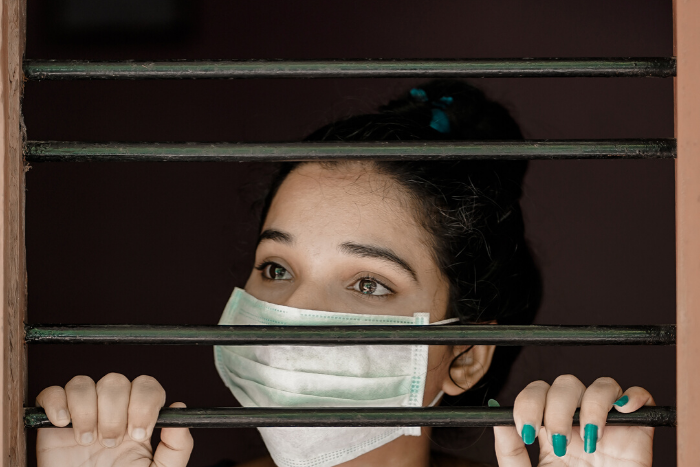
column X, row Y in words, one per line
column 113, row 421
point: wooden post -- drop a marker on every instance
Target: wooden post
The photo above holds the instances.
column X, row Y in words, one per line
column 13, row 283
column 687, row 96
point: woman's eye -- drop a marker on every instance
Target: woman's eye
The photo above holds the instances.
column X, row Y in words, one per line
column 275, row 272
column 369, row 286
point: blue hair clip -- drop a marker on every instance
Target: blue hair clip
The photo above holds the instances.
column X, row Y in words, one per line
column 419, row 95
column 440, row 121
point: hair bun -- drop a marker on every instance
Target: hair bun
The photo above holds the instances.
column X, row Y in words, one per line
column 472, row 115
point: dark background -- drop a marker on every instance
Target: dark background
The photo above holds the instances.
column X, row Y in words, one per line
column 166, row 243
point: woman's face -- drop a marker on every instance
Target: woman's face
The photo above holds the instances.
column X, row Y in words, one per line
column 345, row 239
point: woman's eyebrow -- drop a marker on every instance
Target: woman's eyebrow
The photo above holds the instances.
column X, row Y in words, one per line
column 277, row 236
column 372, row 251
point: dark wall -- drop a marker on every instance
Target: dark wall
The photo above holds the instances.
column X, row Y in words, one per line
column 166, row 243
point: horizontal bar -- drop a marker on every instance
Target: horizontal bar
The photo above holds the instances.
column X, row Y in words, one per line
column 237, row 417
column 350, row 335
column 70, row 151
column 660, row 67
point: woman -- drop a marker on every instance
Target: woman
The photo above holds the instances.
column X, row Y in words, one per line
column 372, row 243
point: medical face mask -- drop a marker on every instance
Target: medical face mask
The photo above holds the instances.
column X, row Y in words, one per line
column 321, row 376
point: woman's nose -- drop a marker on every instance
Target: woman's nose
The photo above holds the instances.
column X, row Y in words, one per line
column 311, row 296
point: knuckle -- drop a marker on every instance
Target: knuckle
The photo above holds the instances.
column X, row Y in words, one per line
column 525, row 396
column 185, row 441
column 595, row 406
column 112, row 424
column 143, row 412
column 113, row 380
column 80, row 383
column 512, row 451
column 83, row 416
column 532, row 393
column 538, row 385
column 139, row 408
column 148, row 382
column 53, row 395
column 149, row 386
column 188, row 442
column 569, row 381
column 606, row 381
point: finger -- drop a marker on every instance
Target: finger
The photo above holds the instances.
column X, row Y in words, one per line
column 112, row 403
column 528, row 410
column 510, row 448
column 82, row 406
column 562, row 400
column 175, row 445
column 147, row 397
column 53, row 400
column 595, row 405
column 633, row 399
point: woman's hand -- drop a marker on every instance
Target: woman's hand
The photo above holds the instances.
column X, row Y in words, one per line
column 113, row 422
column 591, row 445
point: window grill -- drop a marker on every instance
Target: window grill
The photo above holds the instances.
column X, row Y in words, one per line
column 685, row 148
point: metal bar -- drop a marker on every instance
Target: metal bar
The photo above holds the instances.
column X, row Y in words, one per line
column 237, row 417
column 660, row 67
column 70, row 151
column 350, row 335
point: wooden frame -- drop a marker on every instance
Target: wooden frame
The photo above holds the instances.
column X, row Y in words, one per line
column 13, row 283
column 686, row 41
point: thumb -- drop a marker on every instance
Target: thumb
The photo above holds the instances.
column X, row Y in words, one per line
column 510, row 449
column 175, row 445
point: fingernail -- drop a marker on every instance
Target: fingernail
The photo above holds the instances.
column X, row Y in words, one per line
column 109, row 442
column 138, row 434
column 590, row 438
column 62, row 415
column 86, row 438
column 559, row 444
column 622, row 401
column 528, row 434
column 493, row 403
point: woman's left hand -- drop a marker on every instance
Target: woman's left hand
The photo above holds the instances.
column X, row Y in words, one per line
column 592, row 444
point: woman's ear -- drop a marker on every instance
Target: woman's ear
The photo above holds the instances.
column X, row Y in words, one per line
column 467, row 368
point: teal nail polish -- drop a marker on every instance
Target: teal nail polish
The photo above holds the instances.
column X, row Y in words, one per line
column 590, row 438
column 559, row 444
column 528, row 434
column 493, row 403
column 622, row 401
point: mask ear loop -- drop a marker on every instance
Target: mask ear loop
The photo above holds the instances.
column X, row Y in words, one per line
column 437, row 398
column 438, row 323
column 444, row 321
column 449, row 373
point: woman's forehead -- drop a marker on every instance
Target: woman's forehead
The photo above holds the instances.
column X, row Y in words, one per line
column 346, row 200
column 354, row 179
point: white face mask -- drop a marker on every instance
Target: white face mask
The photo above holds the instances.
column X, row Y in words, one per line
column 321, row 376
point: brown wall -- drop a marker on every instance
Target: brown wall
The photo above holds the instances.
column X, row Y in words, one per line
column 152, row 243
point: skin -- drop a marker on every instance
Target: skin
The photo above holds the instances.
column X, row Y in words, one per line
column 345, row 238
